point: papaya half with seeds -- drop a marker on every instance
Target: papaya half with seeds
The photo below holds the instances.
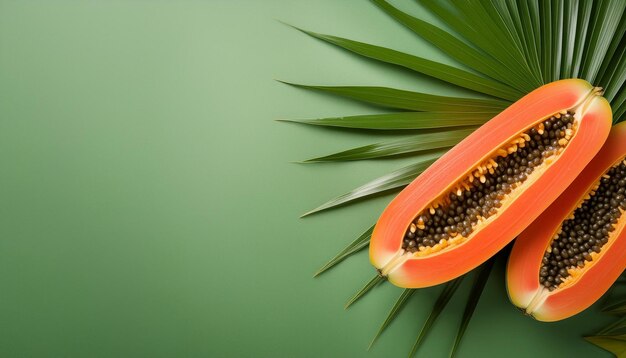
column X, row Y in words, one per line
column 570, row 256
column 483, row 192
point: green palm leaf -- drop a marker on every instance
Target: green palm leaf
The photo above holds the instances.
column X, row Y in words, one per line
column 402, row 120
column 607, row 69
column 456, row 48
column 492, row 35
column 375, row 281
column 557, row 37
column 501, row 18
column 430, row 68
column 510, row 47
column 394, row 180
column 499, row 10
column 570, row 10
column 529, row 15
column 397, row 307
column 452, row 16
column 613, row 344
column 619, row 106
column 617, row 327
column 547, row 46
column 441, row 303
column 611, row 72
column 355, row 246
column 414, row 101
column 584, row 16
column 523, row 32
column 410, row 145
column 615, row 80
column 480, row 280
column 606, row 20
column 616, row 308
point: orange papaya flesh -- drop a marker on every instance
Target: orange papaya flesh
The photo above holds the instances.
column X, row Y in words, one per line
column 584, row 282
column 425, row 204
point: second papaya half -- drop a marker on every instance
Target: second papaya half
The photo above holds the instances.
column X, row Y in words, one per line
column 481, row 194
column 565, row 260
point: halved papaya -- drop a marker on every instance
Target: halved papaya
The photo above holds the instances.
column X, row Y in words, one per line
column 570, row 256
column 481, row 194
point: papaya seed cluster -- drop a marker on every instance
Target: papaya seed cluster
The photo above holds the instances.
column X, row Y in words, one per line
column 582, row 236
column 453, row 217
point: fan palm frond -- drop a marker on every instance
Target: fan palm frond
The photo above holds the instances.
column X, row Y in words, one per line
column 508, row 48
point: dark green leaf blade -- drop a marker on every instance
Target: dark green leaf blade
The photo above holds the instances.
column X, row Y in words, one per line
column 492, row 36
column 611, row 54
column 500, row 11
column 394, row 180
column 480, row 280
column 456, row 48
column 430, row 68
column 414, row 144
column 557, row 37
column 439, row 306
column 606, row 20
column 617, row 327
column 464, row 20
column 615, row 79
column 413, row 101
column 393, row 313
column 355, row 246
column 613, row 344
column 403, row 120
column 451, row 18
column 529, row 15
column 584, row 16
column 616, row 308
column 570, row 14
column 506, row 34
column 526, row 36
column 546, row 31
column 367, row 288
column 619, row 106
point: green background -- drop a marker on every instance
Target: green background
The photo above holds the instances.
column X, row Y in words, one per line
column 150, row 201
